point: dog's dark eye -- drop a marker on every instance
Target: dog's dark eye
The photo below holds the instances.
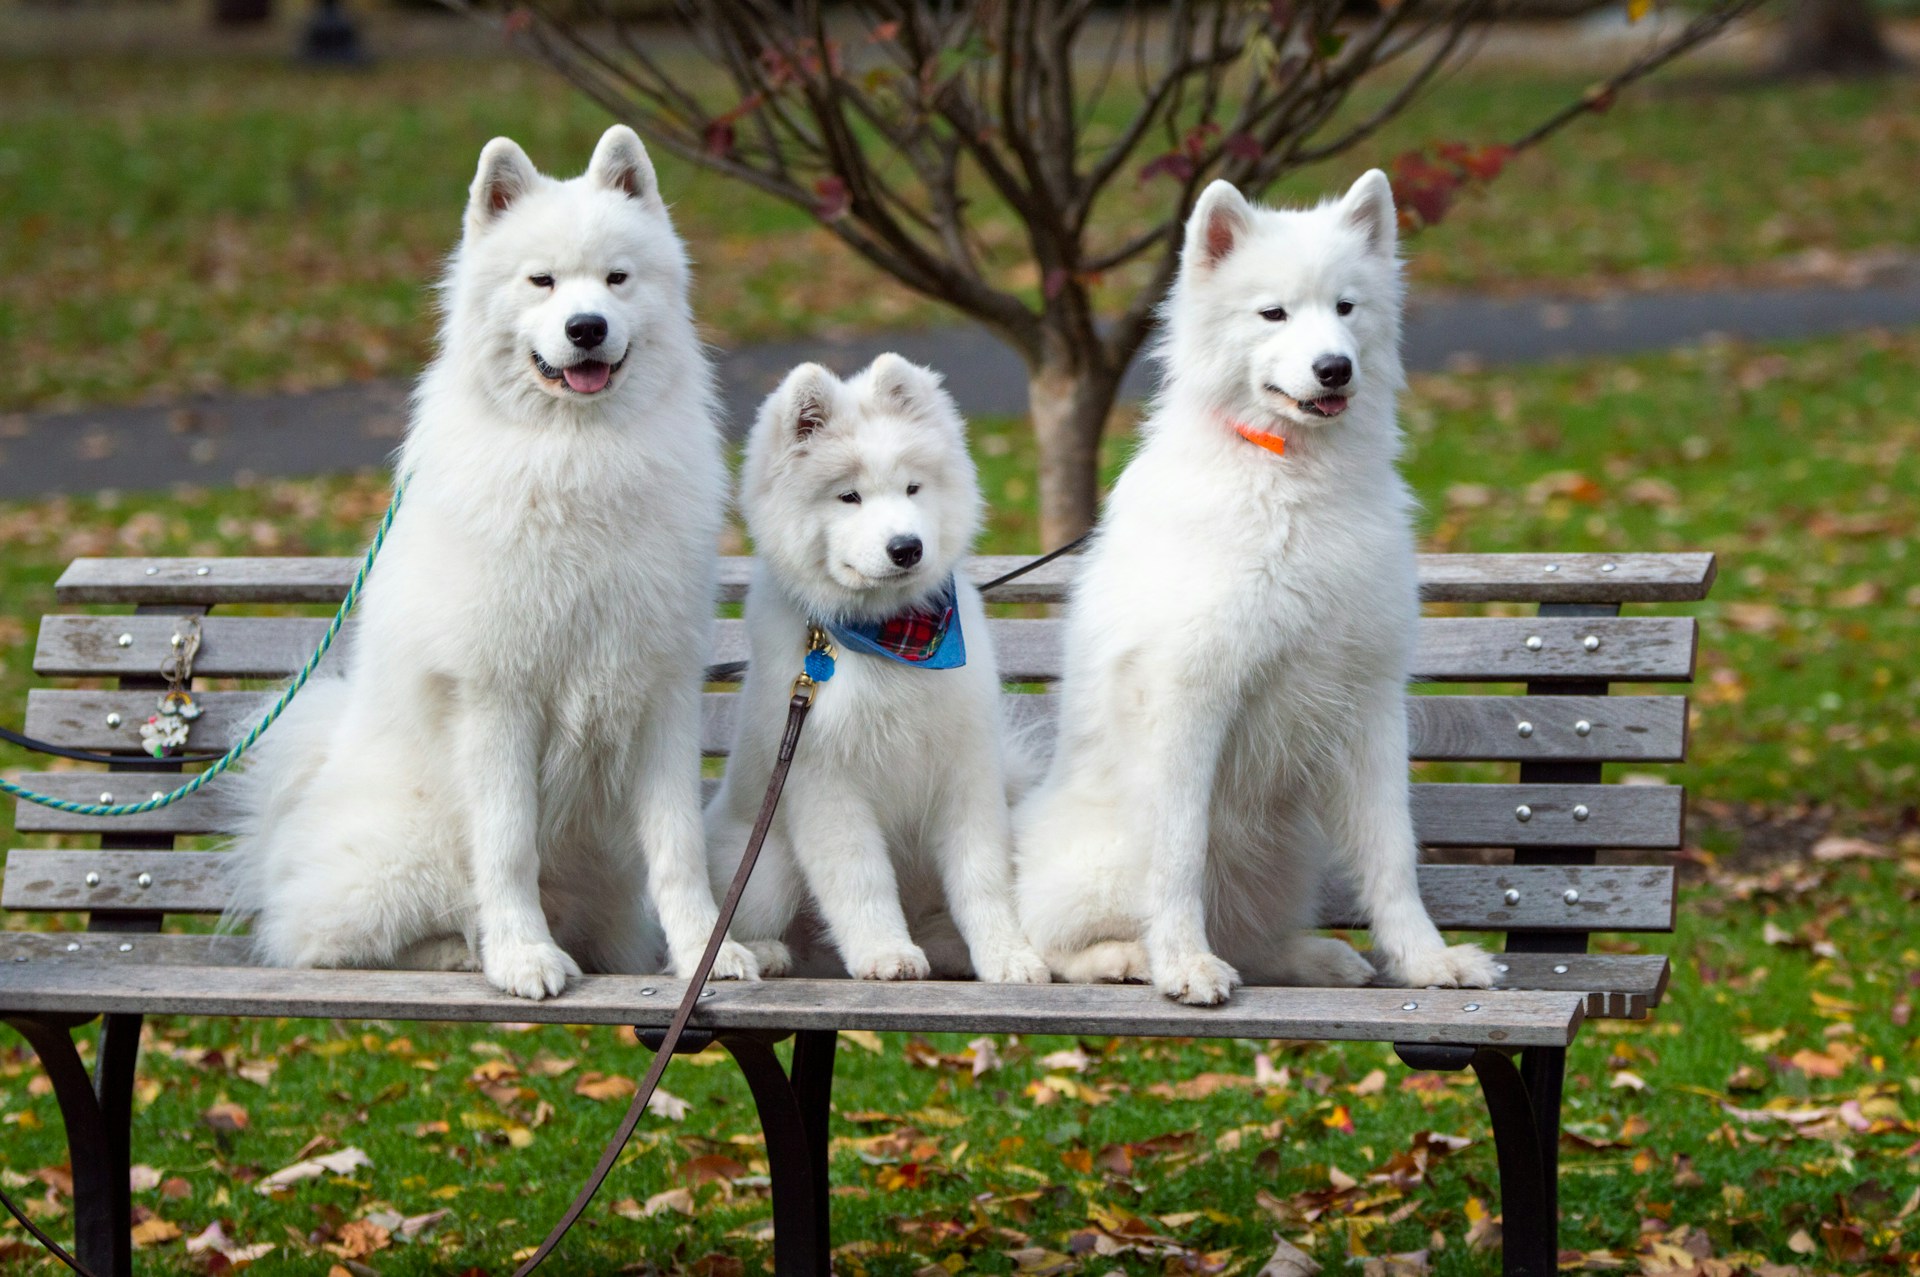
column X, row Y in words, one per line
column 620, row 277
column 1274, row 314
column 1343, row 308
column 912, row 488
column 851, row 498
column 540, row 281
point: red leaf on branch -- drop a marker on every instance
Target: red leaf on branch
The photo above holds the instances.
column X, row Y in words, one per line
column 884, row 32
column 833, row 198
column 719, row 139
column 1243, row 146
column 1173, row 164
column 1055, row 282
column 518, row 21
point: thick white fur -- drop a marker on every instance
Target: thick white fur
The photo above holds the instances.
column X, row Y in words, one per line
column 506, row 773
column 898, row 793
column 1233, row 723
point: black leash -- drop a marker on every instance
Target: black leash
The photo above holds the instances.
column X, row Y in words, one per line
column 33, row 1230
column 83, row 756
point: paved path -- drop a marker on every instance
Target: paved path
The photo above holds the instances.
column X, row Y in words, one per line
column 221, row 439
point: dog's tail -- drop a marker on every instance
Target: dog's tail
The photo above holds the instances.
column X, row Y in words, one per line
column 1024, row 751
column 262, row 797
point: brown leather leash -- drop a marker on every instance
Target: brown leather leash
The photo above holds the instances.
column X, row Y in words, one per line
column 663, row 1055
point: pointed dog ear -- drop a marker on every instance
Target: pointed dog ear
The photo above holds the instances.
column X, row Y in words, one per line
column 1220, row 221
column 807, row 401
column 505, row 174
column 1368, row 207
column 900, row 385
column 620, row 163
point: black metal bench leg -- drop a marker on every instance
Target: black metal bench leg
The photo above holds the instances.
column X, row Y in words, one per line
column 798, row 1248
column 96, row 1152
column 813, row 1052
column 1544, row 1070
column 1530, row 1224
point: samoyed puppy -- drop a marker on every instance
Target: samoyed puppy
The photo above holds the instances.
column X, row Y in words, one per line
column 862, row 502
column 1233, row 725
column 506, row 774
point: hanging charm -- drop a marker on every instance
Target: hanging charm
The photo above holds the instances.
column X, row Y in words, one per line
column 168, row 728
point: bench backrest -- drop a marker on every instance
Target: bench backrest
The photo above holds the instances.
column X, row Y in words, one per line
column 1554, row 812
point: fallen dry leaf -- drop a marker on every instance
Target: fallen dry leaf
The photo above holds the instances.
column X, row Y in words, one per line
column 154, row 1231
column 1288, row 1260
column 605, row 1086
column 226, row 1116
column 341, row 1163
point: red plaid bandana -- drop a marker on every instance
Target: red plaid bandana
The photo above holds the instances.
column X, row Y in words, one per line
column 927, row 635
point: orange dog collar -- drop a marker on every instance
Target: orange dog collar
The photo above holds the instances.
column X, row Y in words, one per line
column 1276, row 444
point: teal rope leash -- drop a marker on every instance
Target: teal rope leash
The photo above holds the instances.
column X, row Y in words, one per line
column 241, row 746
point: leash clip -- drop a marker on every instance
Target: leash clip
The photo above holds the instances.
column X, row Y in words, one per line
column 818, row 666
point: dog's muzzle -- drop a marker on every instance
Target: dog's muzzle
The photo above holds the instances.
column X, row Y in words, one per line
column 583, row 376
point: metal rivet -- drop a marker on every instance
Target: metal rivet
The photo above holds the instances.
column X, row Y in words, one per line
column 1580, row 811
column 177, row 640
column 157, row 795
column 125, row 640
column 1533, row 643
column 145, row 880
column 1523, row 813
column 73, row 946
column 647, row 992
column 106, row 798
column 113, row 720
column 19, row 957
column 1501, row 967
column 1608, row 567
column 1591, row 642
column 93, row 880
column 201, row 571
column 1409, row 1006
column 1553, row 567
column 706, row 993
column 1471, row 1006
column 1559, row 968
column 153, row 571
column 1571, row 896
column 1524, row 728
column 1583, row 728
column 1512, row 895
column 126, row 948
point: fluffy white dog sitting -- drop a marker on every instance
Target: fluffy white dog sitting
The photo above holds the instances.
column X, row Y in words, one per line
column 1233, row 722
column 508, row 773
column 862, row 501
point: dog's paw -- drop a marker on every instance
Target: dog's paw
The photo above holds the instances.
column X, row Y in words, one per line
column 528, row 969
column 1463, row 966
column 1197, row 979
column 1105, row 962
column 773, row 956
column 1323, row 962
column 736, row 961
column 1014, row 964
column 909, row 963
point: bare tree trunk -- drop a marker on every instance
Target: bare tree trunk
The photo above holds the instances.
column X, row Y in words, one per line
column 1069, row 403
column 1834, row 37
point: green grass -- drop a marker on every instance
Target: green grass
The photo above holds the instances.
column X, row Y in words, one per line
column 1796, row 464
column 170, row 227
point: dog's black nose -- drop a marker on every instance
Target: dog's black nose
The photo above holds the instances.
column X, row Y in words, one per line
column 1334, row 371
column 588, row 331
column 904, row 551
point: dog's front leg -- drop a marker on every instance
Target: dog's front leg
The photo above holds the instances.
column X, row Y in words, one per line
column 666, row 814
column 843, row 854
column 975, row 856
column 1179, row 757
column 1371, row 826
column 498, row 736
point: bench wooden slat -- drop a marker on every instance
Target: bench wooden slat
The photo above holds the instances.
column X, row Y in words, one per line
column 1647, row 729
column 1508, row 1018
column 1520, row 578
column 1451, row 649
column 1459, row 897
column 1648, row 817
column 1617, row 986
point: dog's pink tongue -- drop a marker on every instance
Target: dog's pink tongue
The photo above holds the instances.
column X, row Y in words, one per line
column 1332, row 405
column 587, row 378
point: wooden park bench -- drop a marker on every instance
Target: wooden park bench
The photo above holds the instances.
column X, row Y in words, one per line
column 1548, row 896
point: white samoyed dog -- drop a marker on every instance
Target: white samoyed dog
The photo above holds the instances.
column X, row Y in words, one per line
column 862, row 502
column 1233, row 722
column 507, row 773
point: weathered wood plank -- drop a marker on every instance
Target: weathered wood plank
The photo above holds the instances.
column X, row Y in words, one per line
column 1577, row 578
column 1459, row 897
column 1506, row 1018
column 1451, row 649
column 1617, row 986
column 1646, row 729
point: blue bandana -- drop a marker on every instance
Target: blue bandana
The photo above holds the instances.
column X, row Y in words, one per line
column 927, row 636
